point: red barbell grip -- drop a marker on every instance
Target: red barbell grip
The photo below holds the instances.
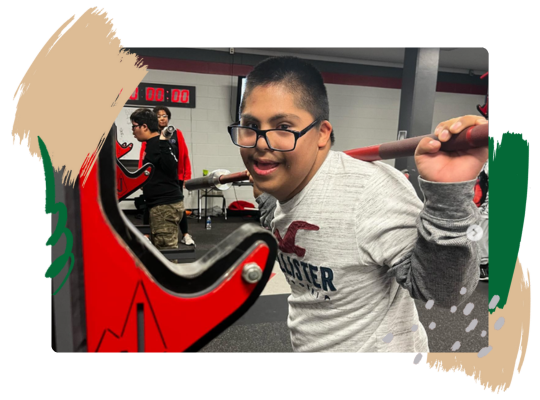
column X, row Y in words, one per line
column 477, row 136
column 371, row 153
column 236, row 177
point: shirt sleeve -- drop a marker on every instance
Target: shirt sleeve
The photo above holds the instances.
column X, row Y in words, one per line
column 184, row 164
column 267, row 206
column 424, row 246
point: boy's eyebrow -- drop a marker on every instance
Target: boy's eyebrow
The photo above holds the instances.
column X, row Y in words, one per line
column 276, row 117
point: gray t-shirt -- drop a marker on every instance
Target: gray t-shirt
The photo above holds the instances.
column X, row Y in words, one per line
column 354, row 238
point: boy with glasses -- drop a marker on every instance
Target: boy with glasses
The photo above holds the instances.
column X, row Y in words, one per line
column 355, row 242
column 162, row 192
column 184, row 165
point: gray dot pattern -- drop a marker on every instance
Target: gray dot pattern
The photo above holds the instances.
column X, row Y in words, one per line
column 468, row 308
column 499, row 324
column 472, row 325
column 456, row 346
column 429, row 304
column 484, row 351
column 494, row 301
column 432, row 325
column 388, row 338
column 417, row 358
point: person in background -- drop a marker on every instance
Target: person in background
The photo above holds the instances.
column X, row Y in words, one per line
column 162, row 192
column 184, row 164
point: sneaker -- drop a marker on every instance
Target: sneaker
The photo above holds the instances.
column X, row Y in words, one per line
column 484, row 272
column 188, row 240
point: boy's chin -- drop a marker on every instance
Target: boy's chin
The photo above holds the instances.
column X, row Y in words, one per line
column 268, row 186
column 274, row 189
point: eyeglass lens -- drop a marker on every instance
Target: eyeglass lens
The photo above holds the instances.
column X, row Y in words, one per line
column 278, row 140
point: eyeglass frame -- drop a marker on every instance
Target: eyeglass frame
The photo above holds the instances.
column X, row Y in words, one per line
column 262, row 133
column 136, row 126
column 162, row 116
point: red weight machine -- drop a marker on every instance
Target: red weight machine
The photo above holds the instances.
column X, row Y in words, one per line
column 129, row 182
column 124, row 295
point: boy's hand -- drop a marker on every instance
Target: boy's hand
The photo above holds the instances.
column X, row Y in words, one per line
column 256, row 191
column 457, row 166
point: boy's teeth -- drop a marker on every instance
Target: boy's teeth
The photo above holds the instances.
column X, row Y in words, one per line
column 265, row 166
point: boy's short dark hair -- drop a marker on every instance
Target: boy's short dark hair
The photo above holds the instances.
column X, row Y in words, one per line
column 162, row 108
column 145, row 116
column 302, row 78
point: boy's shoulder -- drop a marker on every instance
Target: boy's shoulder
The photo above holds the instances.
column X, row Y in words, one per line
column 354, row 175
column 342, row 163
column 152, row 141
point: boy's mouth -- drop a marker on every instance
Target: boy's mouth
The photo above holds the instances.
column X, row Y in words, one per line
column 264, row 167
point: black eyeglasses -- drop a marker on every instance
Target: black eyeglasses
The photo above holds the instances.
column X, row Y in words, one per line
column 276, row 139
column 134, row 126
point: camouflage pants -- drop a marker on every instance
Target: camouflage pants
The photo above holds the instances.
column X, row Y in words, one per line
column 164, row 220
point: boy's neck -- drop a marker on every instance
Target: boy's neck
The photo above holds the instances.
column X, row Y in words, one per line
column 319, row 161
column 153, row 135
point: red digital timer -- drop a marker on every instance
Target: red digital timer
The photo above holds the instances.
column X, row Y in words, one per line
column 168, row 95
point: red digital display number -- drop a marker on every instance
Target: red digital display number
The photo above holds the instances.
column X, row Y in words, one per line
column 148, row 94
column 155, row 94
column 180, row 96
column 135, row 95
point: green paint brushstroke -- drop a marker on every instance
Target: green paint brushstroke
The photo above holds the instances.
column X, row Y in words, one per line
column 53, row 207
column 508, row 177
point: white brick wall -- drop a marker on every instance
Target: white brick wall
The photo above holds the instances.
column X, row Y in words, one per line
column 361, row 116
column 450, row 105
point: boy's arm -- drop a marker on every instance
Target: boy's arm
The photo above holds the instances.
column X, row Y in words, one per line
column 267, row 206
column 162, row 154
column 426, row 247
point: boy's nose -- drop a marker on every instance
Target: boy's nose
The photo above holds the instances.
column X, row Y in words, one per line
column 261, row 143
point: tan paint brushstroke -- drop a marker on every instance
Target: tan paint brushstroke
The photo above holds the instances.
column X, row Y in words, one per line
column 70, row 94
column 495, row 370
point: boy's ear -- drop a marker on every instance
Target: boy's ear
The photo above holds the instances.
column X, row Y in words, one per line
column 324, row 133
